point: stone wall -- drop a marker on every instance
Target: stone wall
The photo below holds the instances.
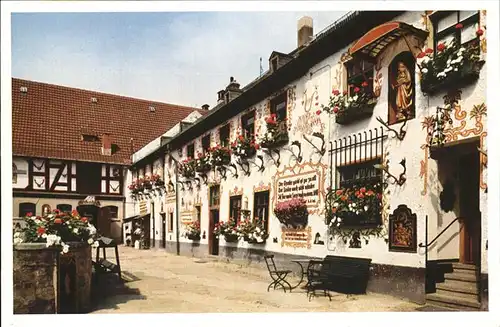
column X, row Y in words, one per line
column 35, row 279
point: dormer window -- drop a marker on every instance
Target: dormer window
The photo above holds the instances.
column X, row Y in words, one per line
column 89, row 138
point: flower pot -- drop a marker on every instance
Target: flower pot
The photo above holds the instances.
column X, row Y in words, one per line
column 231, row 238
column 35, row 269
column 354, row 114
column 203, row 169
column 364, row 220
column 280, row 140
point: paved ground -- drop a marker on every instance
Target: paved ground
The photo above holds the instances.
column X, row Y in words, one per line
column 162, row 283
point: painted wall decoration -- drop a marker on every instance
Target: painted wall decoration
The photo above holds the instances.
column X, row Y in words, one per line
column 236, row 191
column 306, row 180
column 290, row 105
column 296, row 238
column 309, row 122
column 262, row 187
column 403, row 230
column 402, row 87
column 460, row 129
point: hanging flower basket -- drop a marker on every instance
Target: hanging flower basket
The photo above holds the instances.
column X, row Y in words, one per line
column 244, row 147
column 228, row 229
column 187, row 168
column 220, row 156
column 253, row 231
column 454, row 65
column 202, row 164
column 276, row 134
column 193, row 231
column 292, row 213
column 348, row 109
column 231, row 238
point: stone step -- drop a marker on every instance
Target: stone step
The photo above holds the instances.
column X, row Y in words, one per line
column 452, row 300
column 464, row 266
column 461, row 276
column 458, row 286
column 456, row 295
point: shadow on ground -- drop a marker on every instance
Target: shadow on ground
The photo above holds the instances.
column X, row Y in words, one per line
column 108, row 291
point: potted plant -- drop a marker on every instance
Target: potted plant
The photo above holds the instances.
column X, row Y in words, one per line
column 187, row 168
column 354, row 206
column 193, row 231
column 253, row 231
column 244, row 147
column 453, row 63
column 220, row 156
column 157, row 181
column 202, row 164
column 292, row 213
column 276, row 134
column 228, row 230
column 348, row 108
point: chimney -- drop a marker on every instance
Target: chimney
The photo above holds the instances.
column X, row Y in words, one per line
column 220, row 96
column 106, row 144
column 232, row 90
column 205, row 107
column 304, row 31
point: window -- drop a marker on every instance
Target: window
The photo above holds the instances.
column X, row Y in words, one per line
column 445, row 23
column 235, row 207
column 170, row 222
column 278, row 107
column 113, row 212
column 358, row 72
column 88, row 178
column 261, row 207
column 64, row 207
column 190, row 151
column 27, row 207
column 248, row 124
column 359, row 174
column 205, row 143
column 224, row 135
column 214, row 196
column 14, row 173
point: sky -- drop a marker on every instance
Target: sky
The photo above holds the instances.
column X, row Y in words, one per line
column 174, row 57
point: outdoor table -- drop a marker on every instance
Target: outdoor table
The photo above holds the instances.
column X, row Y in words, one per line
column 303, row 272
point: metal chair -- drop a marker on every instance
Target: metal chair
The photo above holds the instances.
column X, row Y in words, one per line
column 278, row 276
column 316, row 280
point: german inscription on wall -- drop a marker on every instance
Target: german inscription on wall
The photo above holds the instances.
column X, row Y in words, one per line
column 296, row 238
column 305, row 185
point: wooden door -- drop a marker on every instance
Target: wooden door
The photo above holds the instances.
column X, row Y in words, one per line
column 213, row 241
column 470, row 225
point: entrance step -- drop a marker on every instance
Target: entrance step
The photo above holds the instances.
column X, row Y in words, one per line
column 458, row 287
column 447, row 299
column 463, row 266
column 465, row 276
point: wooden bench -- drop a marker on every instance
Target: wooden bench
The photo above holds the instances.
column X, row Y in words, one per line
column 335, row 273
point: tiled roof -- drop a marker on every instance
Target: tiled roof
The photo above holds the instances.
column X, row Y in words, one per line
column 48, row 121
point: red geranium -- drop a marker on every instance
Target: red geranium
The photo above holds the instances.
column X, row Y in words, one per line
column 421, row 55
column 336, row 92
column 441, row 47
column 40, row 230
column 84, row 219
column 479, row 32
column 336, row 109
column 429, row 50
column 459, row 26
column 318, row 112
column 58, row 221
column 345, row 92
column 356, row 89
column 364, row 84
column 29, row 214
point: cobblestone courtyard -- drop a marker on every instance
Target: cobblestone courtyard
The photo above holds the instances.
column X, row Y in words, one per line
column 159, row 282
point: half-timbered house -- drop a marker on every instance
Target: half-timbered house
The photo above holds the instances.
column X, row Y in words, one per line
column 379, row 124
column 71, row 148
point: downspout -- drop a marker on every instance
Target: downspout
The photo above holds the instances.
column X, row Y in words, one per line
column 177, row 237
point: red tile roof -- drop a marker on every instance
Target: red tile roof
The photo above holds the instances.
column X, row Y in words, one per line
column 48, row 121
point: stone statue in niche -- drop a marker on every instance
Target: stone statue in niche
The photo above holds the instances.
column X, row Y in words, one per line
column 403, row 230
column 402, row 88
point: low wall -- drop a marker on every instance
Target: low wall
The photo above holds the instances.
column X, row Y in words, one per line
column 46, row 281
column 404, row 282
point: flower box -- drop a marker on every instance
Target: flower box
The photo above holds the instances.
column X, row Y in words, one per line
column 220, row 156
column 454, row 65
column 279, row 140
column 244, row 147
column 231, row 238
column 354, row 114
column 193, row 231
column 193, row 237
column 276, row 134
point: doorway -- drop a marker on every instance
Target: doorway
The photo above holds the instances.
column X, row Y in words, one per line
column 214, row 202
column 163, row 230
column 470, row 225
